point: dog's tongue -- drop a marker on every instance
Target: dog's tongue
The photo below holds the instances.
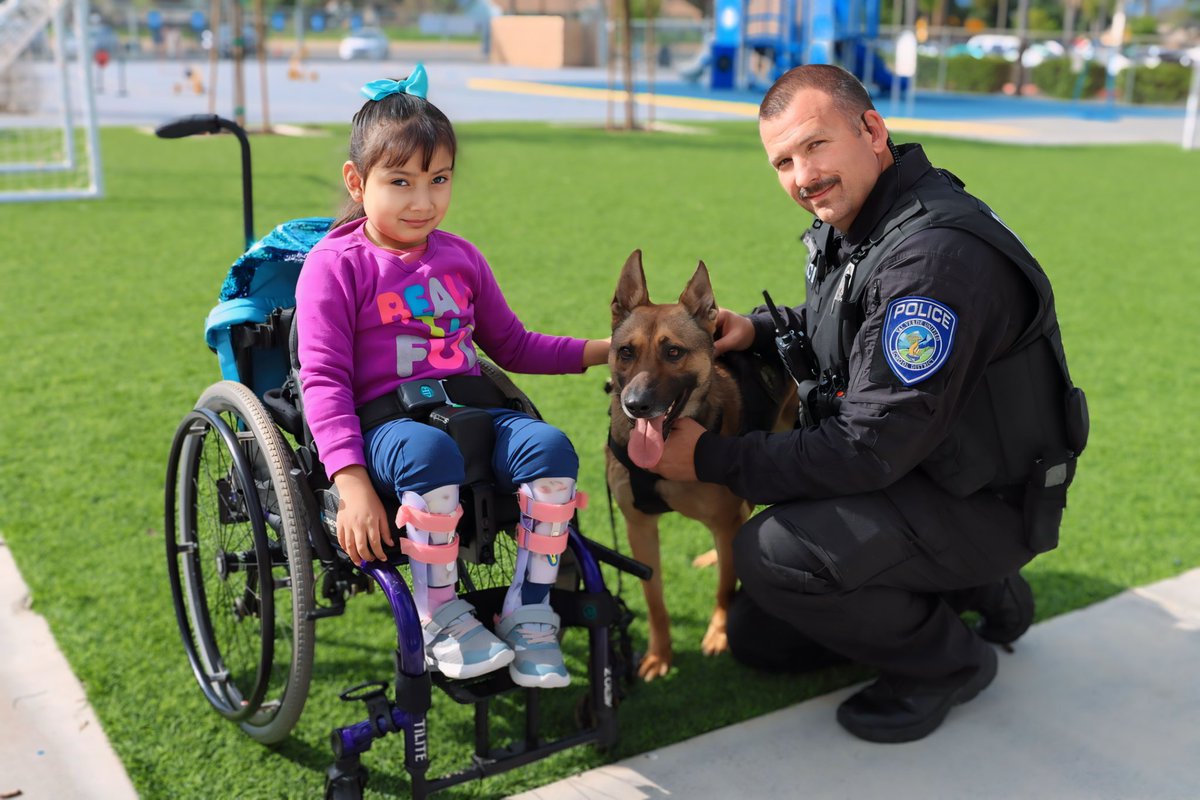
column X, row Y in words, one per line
column 646, row 442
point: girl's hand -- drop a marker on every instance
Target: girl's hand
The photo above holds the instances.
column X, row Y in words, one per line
column 595, row 352
column 362, row 524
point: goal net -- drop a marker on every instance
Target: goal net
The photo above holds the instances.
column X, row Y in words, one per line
column 49, row 144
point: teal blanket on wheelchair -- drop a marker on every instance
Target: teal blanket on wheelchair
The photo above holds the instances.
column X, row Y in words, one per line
column 280, row 251
column 260, row 281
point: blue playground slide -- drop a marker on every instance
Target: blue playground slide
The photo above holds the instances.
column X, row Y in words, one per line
column 880, row 74
column 804, row 31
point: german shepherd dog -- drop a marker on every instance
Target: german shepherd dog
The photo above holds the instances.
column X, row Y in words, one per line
column 663, row 367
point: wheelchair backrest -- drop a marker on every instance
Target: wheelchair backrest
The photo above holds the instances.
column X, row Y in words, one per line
column 244, row 329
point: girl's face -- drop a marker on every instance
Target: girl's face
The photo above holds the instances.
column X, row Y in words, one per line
column 402, row 204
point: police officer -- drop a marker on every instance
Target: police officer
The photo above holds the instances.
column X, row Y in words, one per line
column 942, row 426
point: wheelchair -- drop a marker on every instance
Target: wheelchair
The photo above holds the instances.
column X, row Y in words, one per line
column 253, row 564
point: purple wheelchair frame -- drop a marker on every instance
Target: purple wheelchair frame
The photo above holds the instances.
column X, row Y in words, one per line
column 594, row 607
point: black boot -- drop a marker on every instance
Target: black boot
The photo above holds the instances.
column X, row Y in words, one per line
column 1006, row 609
column 895, row 709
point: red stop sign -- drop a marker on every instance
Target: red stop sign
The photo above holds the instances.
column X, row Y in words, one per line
column 101, row 57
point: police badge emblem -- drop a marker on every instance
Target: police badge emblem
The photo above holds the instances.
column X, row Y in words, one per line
column 918, row 334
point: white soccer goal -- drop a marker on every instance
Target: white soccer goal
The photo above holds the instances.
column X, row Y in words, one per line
column 49, row 143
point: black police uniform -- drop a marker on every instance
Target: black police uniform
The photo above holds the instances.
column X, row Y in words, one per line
column 945, row 464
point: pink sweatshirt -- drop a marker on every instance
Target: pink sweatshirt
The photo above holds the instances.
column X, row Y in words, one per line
column 368, row 322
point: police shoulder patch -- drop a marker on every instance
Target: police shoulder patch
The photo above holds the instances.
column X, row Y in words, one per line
column 918, row 334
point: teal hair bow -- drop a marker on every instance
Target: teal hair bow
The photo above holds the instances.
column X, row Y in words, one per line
column 416, row 84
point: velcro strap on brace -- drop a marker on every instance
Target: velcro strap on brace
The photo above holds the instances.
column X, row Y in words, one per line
column 436, row 523
column 557, row 514
column 541, row 543
column 551, row 512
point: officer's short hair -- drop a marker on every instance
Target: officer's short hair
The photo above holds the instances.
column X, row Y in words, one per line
column 849, row 95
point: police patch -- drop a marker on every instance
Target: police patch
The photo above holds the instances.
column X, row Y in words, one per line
column 918, row 334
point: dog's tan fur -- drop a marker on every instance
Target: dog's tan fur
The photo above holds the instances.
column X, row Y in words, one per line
column 658, row 352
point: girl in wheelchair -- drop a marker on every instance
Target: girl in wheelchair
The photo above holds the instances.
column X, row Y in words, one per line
column 389, row 311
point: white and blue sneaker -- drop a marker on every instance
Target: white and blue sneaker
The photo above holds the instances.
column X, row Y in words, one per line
column 532, row 633
column 458, row 646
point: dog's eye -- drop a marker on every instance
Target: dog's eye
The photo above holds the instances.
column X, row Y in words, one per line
column 625, row 352
column 674, row 353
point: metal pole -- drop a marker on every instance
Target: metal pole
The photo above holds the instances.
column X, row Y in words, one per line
column 89, row 101
column 910, row 23
column 214, row 45
column 897, row 27
column 1193, row 106
column 60, row 62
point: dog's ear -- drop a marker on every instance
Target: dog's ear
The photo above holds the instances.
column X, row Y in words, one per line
column 631, row 288
column 697, row 298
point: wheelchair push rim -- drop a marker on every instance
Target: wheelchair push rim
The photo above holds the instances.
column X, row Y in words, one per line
column 231, row 508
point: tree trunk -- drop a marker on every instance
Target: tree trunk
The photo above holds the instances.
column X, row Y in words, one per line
column 1069, row 13
column 1022, row 42
column 627, row 63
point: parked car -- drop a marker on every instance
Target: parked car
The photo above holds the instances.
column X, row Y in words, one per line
column 1153, row 55
column 1008, row 47
column 369, row 43
column 993, row 44
column 1038, row 52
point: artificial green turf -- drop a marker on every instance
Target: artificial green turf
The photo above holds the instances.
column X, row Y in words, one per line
column 103, row 307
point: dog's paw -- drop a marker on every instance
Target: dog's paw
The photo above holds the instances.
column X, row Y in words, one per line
column 704, row 560
column 653, row 666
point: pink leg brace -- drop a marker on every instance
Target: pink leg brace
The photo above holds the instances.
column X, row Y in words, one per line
column 547, row 505
column 431, row 545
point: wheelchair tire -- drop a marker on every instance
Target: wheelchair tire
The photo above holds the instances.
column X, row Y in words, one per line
column 232, row 504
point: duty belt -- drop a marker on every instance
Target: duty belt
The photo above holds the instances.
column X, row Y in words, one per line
column 415, row 399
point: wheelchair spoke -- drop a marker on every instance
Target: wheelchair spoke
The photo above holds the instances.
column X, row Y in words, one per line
column 229, row 627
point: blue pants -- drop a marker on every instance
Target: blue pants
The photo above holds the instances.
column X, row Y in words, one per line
column 405, row 455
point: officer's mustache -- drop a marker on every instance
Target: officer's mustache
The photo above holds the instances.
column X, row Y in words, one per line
column 816, row 188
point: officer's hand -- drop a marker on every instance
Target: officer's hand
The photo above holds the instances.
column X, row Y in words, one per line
column 734, row 332
column 679, row 451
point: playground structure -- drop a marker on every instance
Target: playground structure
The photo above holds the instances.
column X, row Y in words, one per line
column 756, row 41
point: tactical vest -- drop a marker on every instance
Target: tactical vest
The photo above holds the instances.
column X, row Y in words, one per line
column 1023, row 428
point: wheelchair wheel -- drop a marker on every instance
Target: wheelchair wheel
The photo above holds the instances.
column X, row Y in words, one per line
column 239, row 562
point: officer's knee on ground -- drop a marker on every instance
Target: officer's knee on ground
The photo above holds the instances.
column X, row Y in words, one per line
column 763, row 641
column 753, row 635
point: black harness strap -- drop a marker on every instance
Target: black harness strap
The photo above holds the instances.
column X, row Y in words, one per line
column 645, row 498
column 415, row 399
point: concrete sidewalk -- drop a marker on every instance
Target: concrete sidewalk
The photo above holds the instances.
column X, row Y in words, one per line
column 1098, row 703
column 51, row 744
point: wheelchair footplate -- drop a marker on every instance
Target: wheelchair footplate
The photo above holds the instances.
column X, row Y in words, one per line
column 592, row 607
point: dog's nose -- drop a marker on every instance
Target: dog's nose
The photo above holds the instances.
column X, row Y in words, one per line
column 639, row 403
